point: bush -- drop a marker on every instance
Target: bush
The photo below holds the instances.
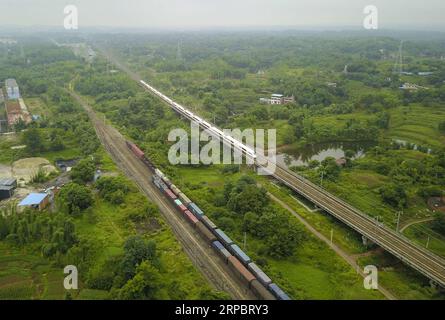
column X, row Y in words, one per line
column 84, row 171
column 75, row 198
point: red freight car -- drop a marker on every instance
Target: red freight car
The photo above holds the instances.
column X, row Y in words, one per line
column 170, row 194
column 137, row 152
column 241, row 271
column 190, row 217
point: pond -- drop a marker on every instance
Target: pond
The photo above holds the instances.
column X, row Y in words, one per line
column 301, row 157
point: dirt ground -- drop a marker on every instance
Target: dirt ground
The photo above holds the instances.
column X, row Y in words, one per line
column 5, row 171
column 24, row 169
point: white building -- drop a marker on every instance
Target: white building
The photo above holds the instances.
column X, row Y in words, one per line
column 12, row 89
column 277, row 99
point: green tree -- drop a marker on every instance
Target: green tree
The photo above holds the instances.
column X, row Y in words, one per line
column 75, row 198
column 33, row 141
column 137, row 250
column 145, row 284
column 84, row 171
column 394, row 195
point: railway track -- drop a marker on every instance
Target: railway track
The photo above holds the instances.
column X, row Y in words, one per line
column 422, row 260
column 196, row 248
column 427, row 263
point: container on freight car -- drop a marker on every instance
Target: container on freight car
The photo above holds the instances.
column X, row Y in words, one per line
column 241, row 271
column 223, row 237
column 196, row 210
column 209, row 223
column 185, row 200
column 158, row 183
column 260, row 274
column 277, row 292
column 223, row 252
column 138, row 152
column 175, row 189
column 159, row 173
column 183, row 208
column 170, row 194
column 208, row 235
column 190, row 217
column 260, row 291
column 167, row 181
column 178, row 202
column 240, row 254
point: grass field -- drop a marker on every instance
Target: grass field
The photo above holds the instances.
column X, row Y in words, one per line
column 25, row 275
column 418, row 124
column 313, row 272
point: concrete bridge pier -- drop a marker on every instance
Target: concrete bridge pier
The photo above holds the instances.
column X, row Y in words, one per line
column 366, row 242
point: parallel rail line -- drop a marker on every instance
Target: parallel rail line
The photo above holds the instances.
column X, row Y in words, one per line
column 199, row 251
column 422, row 260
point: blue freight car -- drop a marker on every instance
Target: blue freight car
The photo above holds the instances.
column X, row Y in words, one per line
column 196, row 210
column 277, row 292
column 260, row 274
column 223, row 237
column 240, row 254
column 223, row 252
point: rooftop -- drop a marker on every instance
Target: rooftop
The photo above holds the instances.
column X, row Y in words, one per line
column 7, row 181
column 10, row 83
column 6, row 188
column 33, row 199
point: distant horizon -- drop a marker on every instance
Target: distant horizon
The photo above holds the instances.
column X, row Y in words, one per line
column 217, row 14
column 313, row 28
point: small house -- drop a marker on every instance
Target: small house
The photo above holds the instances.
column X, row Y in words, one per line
column 38, row 201
column 7, row 187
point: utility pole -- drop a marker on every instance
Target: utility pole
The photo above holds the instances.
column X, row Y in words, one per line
column 398, row 221
column 428, row 242
column 322, row 174
column 332, row 235
column 245, row 240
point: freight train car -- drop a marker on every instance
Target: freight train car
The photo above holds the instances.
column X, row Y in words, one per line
column 135, row 149
column 190, row 217
column 209, row 223
column 223, row 252
column 238, row 260
column 243, row 274
column 208, row 235
column 259, row 274
column 240, row 254
column 185, row 200
column 225, row 240
column 277, row 292
column 260, row 291
column 196, row 210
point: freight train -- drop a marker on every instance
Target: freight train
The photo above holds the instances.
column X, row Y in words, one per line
column 242, row 265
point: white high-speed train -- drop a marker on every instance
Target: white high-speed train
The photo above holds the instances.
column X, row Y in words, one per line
column 203, row 123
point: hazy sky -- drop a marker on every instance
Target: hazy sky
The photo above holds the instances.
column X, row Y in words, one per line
column 411, row 14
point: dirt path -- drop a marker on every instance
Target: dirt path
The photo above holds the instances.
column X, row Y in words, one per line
column 347, row 257
column 409, row 224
